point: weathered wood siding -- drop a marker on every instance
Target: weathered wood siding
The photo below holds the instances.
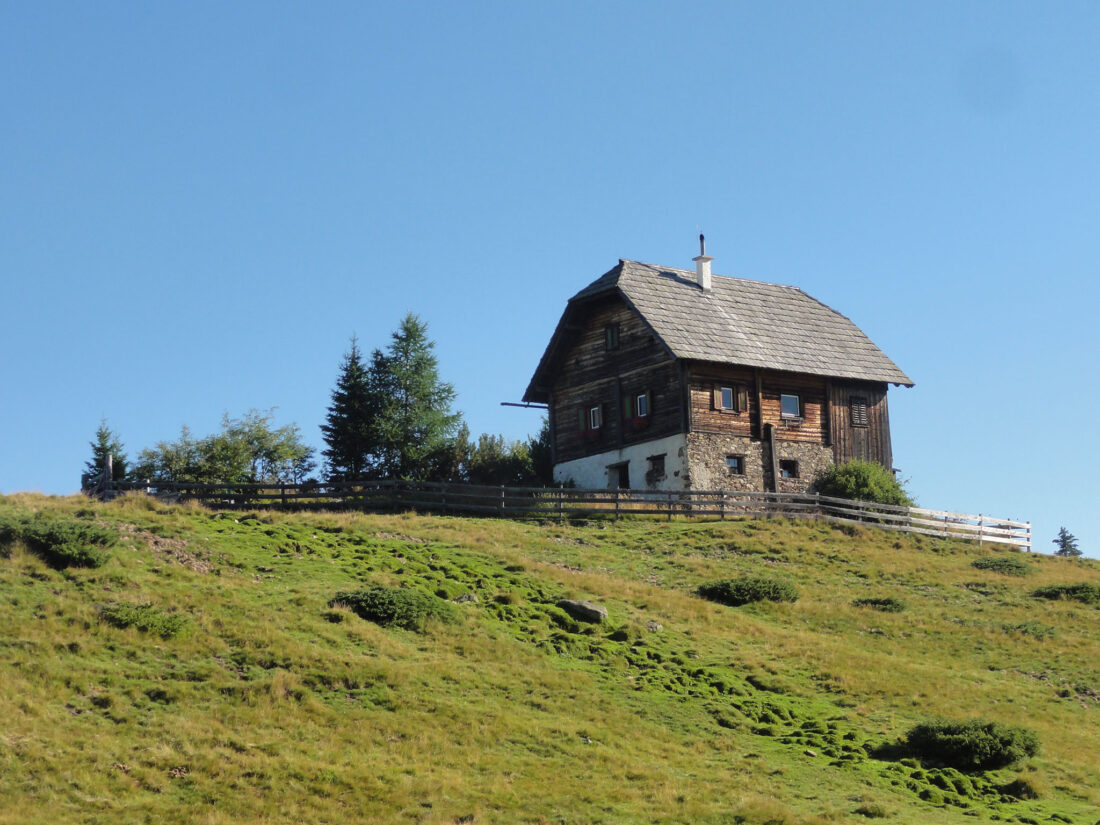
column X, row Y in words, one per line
column 870, row 442
column 764, row 406
column 705, row 417
column 813, row 424
column 589, row 375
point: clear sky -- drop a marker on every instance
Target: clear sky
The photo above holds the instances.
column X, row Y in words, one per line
column 201, row 202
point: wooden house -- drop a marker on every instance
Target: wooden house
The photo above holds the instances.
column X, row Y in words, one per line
column 670, row 379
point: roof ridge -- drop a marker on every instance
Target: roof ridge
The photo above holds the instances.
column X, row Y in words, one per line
column 691, row 273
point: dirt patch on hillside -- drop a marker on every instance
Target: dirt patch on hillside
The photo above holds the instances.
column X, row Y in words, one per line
column 172, row 550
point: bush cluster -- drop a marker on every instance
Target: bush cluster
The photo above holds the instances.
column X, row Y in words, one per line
column 397, row 607
column 975, row 745
column 145, row 617
column 887, row 604
column 60, row 542
column 863, row 481
column 1008, row 565
column 747, row 589
column 1084, row 593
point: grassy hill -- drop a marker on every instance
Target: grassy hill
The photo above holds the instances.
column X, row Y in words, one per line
column 202, row 674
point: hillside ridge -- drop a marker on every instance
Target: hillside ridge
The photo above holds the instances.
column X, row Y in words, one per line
column 205, row 667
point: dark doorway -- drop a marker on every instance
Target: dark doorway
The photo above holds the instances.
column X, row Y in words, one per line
column 620, row 475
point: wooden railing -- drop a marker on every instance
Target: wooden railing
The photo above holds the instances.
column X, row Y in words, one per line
column 562, row 502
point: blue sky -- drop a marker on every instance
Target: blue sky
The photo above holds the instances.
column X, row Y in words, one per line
column 200, row 203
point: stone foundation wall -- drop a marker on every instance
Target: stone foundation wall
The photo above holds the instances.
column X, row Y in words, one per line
column 706, row 462
column 707, row 468
column 812, row 459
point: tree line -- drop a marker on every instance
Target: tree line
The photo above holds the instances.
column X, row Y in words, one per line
column 390, row 416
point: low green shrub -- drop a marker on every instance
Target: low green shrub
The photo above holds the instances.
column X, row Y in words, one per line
column 975, row 745
column 863, row 481
column 887, row 604
column 397, row 607
column 748, row 589
column 1007, row 565
column 1084, row 593
column 145, row 617
column 1036, row 630
column 871, row 811
column 1023, row 787
column 60, row 542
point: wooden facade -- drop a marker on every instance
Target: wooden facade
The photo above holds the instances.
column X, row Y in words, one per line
column 859, row 422
column 596, row 375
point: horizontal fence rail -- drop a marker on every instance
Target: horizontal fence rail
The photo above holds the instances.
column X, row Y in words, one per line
column 562, row 502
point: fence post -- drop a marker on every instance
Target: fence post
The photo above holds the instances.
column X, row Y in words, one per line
column 670, row 506
column 722, row 504
column 501, row 498
column 616, row 504
column 981, row 529
column 561, row 503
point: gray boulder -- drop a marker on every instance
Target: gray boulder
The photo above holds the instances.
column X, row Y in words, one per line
column 584, row 611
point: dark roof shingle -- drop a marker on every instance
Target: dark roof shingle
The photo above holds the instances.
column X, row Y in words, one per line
column 749, row 323
column 742, row 322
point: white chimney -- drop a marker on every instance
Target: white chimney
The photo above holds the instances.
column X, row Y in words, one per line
column 702, row 265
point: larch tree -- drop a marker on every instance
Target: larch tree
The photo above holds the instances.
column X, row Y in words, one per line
column 1067, row 544
column 414, row 426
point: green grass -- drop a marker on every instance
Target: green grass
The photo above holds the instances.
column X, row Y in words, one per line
column 272, row 704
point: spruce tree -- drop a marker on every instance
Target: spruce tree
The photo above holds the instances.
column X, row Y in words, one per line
column 414, row 427
column 348, row 431
column 1067, row 544
column 106, row 443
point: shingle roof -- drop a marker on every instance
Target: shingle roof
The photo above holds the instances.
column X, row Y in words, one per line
column 750, row 323
column 742, row 322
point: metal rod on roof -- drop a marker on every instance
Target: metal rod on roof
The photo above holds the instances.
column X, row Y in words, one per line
column 702, row 244
column 524, row 405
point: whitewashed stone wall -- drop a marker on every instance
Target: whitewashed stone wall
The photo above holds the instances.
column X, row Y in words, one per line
column 594, row 471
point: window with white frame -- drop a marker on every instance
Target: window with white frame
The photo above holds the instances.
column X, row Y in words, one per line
column 790, row 406
column 731, row 398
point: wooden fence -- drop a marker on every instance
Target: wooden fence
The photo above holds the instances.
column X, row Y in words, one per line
column 562, row 503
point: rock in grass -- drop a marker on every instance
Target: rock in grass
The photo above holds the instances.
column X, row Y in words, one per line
column 584, row 611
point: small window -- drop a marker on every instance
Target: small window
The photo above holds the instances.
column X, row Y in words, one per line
column 788, row 468
column 595, row 418
column 611, row 336
column 642, row 405
column 790, row 406
column 736, row 464
column 857, row 405
column 657, row 466
column 731, row 399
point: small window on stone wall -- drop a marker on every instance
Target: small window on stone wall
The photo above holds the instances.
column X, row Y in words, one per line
column 736, row 464
column 788, row 468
